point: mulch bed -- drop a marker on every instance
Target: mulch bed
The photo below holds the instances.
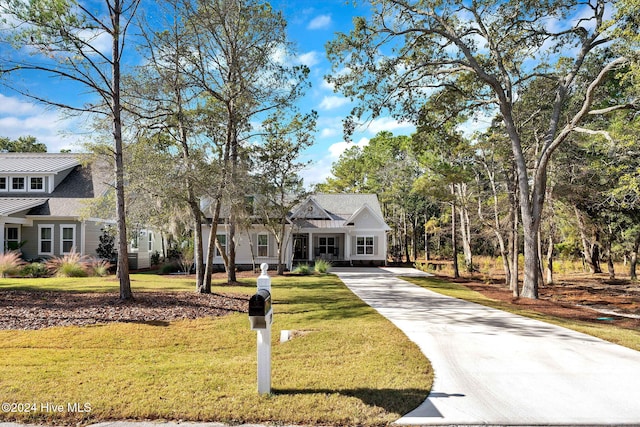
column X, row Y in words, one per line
column 590, row 299
column 41, row 309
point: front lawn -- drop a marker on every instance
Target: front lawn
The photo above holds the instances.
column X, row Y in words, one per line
column 346, row 366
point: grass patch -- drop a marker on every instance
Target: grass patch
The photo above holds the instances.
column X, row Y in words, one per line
column 625, row 337
column 351, row 367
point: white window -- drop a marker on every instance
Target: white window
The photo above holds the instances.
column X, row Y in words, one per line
column 11, row 238
column 17, row 183
column 365, row 245
column 3, row 183
column 45, row 240
column 263, row 245
column 67, row 238
column 222, row 239
column 36, row 183
column 150, row 241
column 327, row 245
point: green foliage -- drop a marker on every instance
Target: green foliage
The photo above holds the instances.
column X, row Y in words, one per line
column 107, row 246
column 10, row 263
column 35, row 270
column 24, row 144
column 322, row 267
column 303, row 270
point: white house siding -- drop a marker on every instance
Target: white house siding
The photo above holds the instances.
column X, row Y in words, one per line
column 92, row 233
column 244, row 242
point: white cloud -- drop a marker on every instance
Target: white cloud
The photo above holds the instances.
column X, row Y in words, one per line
column 9, row 105
column 21, row 118
column 332, row 102
column 320, row 22
column 310, row 58
column 338, row 148
column 389, row 124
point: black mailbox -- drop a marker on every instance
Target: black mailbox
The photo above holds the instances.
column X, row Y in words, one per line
column 260, row 309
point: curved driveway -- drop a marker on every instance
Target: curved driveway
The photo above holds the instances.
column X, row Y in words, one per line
column 492, row 367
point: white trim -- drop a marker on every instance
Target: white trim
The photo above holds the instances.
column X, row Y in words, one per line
column 5, row 236
column 6, row 184
column 40, row 227
column 258, row 245
column 32, row 190
column 62, row 239
column 2, row 237
column 217, row 253
column 24, row 184
column 83, row 235
column 365, row 245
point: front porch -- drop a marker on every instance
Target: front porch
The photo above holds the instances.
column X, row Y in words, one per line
column 309, row 247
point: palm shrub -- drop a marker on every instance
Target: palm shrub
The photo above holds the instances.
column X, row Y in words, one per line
column 322, row 266
column 69, row 265
column 10, row 263
column 302, row 269
column 99, row 267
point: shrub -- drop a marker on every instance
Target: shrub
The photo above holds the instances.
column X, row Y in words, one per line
column 155, row 258
column 107, row 247
column 70, row 265
column 35, row 269
column 169, row 268
column 10, row 263
column 322, row 266
column 99, row 267
column 302, row 269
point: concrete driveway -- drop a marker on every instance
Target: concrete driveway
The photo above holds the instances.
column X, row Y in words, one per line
column 492, row 367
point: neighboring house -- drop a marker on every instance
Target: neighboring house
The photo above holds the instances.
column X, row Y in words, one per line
column 42, row 196
column 345, row 229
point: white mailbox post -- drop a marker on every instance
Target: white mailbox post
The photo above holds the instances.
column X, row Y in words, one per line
column 261, row 318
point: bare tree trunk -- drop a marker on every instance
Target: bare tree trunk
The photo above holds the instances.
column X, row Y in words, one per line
column 549, row 270
column 123, row 254
column 465, row 227
column 586, row 247
column 454, row 242
column 634, row 258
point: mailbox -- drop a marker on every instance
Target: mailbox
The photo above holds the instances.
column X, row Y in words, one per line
column 260, row 314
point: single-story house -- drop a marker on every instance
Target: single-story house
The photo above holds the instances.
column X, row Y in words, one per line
column 345, row 229
column 42, row 199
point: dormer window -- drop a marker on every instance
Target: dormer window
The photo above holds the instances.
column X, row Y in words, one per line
column 36, row 184
column 17, row 183
column 3, row 183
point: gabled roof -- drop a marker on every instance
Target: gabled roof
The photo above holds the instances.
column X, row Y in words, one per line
column 345, row 205
column 42, row 163
column 366, row 208
column 310, row 209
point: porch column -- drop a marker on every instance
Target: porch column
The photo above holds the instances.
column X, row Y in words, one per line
column 347, row 246
column 1, row 236
column 310, row 244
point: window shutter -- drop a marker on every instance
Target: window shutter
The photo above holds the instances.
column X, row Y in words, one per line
column 353, row 245
column 375, row 245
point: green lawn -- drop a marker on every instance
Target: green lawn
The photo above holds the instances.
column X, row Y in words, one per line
column 352, row 367
column 626, row 337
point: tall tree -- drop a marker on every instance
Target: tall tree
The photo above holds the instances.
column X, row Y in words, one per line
column 277, row 164
column 396, row 58
column 24, row 144
column 235, row 58
column 61, row 37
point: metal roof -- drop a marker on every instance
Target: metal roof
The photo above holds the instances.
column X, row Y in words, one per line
column 9, row 206
column 37, row 162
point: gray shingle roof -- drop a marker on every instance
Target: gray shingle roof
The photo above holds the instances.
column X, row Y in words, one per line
column 37, row 162
column 345, row 205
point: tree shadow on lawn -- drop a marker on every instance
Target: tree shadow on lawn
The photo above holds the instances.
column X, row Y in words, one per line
column 395, row 401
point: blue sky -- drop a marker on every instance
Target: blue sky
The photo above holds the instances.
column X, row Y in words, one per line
column 311, row 24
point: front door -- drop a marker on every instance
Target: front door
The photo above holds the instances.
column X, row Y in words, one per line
column 300, row 246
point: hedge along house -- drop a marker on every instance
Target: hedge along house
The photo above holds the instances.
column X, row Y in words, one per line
column 42, row 197
column 344, row 229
